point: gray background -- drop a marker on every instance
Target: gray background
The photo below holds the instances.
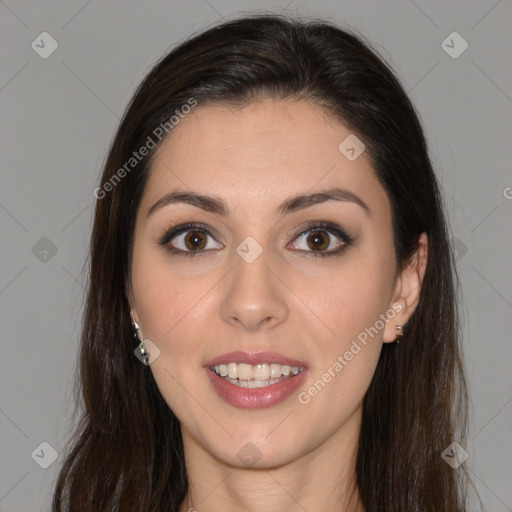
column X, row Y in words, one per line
column 58, row 116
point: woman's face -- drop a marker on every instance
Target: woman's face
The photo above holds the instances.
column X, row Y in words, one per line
column 252, row 279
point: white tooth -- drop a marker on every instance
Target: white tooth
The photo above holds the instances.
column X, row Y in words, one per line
column 257, row 384
column 233, row 370
column 275, row 370
column 245, row 371
column 260, row 372
column 252, row 384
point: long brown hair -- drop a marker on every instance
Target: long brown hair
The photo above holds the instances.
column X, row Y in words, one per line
column 126, row 452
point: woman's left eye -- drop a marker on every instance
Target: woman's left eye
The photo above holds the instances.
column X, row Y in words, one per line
column 321, row 239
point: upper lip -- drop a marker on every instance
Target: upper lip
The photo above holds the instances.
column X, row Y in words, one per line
column 254, row 358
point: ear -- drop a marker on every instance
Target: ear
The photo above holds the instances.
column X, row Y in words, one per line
column 407, row 289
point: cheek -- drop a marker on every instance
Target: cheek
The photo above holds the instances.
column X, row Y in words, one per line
column 164, row 300
column 351, row 309
column 353, row 298
column 171, row 312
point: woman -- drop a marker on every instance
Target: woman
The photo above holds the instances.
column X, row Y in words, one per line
column 226, row 362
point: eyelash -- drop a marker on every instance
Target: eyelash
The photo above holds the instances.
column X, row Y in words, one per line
column 322, row 226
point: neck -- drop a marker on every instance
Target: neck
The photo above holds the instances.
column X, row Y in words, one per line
column 321, row 479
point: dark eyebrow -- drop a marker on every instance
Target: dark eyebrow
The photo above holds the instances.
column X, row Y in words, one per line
column 214, row 204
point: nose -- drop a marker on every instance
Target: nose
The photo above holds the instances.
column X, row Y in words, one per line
column 254, row 295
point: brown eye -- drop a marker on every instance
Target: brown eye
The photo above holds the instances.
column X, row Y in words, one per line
column 322, row 239
column 189, row 240
column 195, row 240
column 318, row 240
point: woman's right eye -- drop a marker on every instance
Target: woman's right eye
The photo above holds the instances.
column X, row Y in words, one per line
column 189, row 240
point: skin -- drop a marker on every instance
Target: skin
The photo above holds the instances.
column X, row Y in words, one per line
column 311, row 309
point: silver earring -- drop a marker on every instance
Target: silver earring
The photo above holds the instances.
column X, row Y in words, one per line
column 142, row 346
column 399, row 333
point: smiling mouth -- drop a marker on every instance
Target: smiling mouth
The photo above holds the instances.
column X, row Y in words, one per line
column 255, row 376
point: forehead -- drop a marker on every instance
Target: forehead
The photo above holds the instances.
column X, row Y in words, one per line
column 261, row 153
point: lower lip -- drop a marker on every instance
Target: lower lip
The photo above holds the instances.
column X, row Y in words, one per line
column 257, row 398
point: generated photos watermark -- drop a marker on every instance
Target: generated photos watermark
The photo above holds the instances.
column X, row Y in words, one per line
column 158, row 133
column 304, row 397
